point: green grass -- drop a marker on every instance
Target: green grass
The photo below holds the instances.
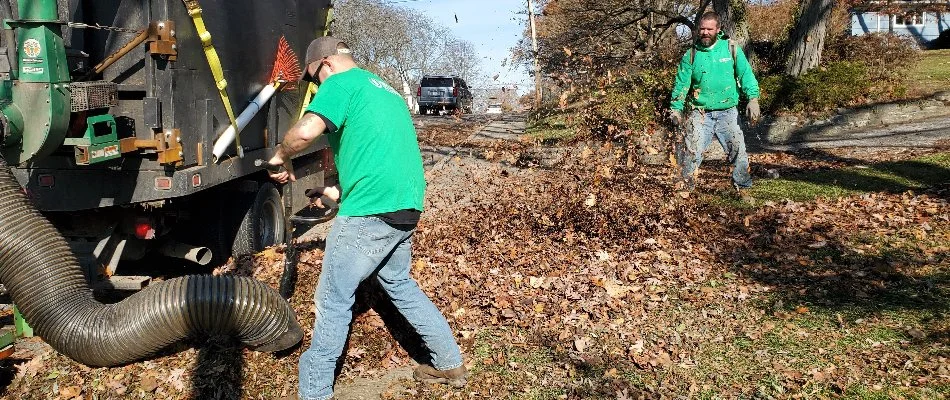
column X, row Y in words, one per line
column 550, row 129
column 893, row 177
column 931, row 74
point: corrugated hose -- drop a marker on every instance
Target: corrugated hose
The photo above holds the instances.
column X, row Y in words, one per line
column 47, row 284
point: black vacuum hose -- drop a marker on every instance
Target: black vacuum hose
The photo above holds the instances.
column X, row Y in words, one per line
column 47, row 285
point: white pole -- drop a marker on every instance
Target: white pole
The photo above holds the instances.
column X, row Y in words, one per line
column 223, row 142
column 537, row 63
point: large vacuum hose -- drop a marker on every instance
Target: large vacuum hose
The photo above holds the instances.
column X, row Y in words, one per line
column 46, row 283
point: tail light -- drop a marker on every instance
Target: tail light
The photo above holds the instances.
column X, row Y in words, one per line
column 419, row 92
column 144, row 229
column 455, row 91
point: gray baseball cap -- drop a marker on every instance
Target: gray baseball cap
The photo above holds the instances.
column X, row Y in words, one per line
column 321, row 48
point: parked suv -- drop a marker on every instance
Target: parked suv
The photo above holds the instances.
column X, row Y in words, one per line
column 450, row 93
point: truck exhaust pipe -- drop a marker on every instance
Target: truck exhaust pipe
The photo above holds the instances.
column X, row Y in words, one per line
column 196, row 254
column 47, row 284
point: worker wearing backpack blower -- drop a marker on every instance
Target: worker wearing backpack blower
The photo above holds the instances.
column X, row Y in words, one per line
column 710, row 77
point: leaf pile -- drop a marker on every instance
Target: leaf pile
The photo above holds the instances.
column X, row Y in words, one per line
column 585, row 278
column 621, row 286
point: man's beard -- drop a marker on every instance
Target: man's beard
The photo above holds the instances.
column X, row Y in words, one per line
column 707, row 41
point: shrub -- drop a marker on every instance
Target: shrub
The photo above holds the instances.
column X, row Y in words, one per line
column 887, row 56
column 834, row 85
column 855, row 70
column 630, row 105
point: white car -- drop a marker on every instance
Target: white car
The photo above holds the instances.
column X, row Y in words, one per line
column 493, row 109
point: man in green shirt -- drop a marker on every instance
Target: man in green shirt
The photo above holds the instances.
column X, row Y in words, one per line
column 377, row 156
column 710, row 77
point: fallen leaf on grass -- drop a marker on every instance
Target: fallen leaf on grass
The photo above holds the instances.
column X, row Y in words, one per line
column 581, row 344
column 615, row 289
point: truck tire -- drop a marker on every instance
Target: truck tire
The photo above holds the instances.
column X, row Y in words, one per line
column 262, row 225
column 422, row 110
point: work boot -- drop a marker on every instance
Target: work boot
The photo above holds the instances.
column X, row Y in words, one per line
column 454, row 377
column 745, row 194
column 685, row 188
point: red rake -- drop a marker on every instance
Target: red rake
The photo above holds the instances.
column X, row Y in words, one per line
column 285, row 76
column 287, row 70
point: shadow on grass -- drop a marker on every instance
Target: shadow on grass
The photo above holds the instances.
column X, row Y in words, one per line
column 890, row 177
column 836, row 275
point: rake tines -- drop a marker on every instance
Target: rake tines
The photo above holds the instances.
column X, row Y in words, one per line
column 286, row 66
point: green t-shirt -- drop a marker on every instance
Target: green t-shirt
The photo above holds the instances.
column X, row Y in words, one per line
column 374, row 144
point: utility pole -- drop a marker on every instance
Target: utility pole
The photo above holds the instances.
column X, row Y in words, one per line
column 537, row 64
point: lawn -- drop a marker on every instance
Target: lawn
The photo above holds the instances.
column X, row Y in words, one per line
column 931, row 74
column 551, row 128
column 892, row 177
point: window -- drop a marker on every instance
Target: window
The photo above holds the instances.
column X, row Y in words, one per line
column 437, row 82
column 908, row 19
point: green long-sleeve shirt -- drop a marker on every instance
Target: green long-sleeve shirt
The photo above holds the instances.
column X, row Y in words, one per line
column 709, row 82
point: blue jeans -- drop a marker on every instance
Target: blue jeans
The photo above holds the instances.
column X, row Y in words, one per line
column 358, row 247
column 701, row 127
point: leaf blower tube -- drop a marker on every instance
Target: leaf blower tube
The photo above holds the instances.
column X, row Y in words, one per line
column 46, row 283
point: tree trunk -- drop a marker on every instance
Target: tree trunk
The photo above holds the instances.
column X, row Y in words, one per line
column 734, row 22
column 807, row 39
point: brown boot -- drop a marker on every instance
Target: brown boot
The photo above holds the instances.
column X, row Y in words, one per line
column 454, row 377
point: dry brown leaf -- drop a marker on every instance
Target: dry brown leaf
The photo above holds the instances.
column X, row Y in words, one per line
column 581, row 344
column 30, row 368
column 176, row 378
column 70, row 392
column 615, row 289
column 591, row 200
column 149, row 381
column 535, row 282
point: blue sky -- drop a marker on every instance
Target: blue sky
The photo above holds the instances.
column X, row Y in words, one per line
column 493, row 26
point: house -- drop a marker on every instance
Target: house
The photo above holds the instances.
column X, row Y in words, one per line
column 922, row 20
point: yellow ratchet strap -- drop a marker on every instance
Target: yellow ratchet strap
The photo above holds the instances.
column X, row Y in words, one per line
column 194, row 10
column 312, row 88
column 307, row 97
